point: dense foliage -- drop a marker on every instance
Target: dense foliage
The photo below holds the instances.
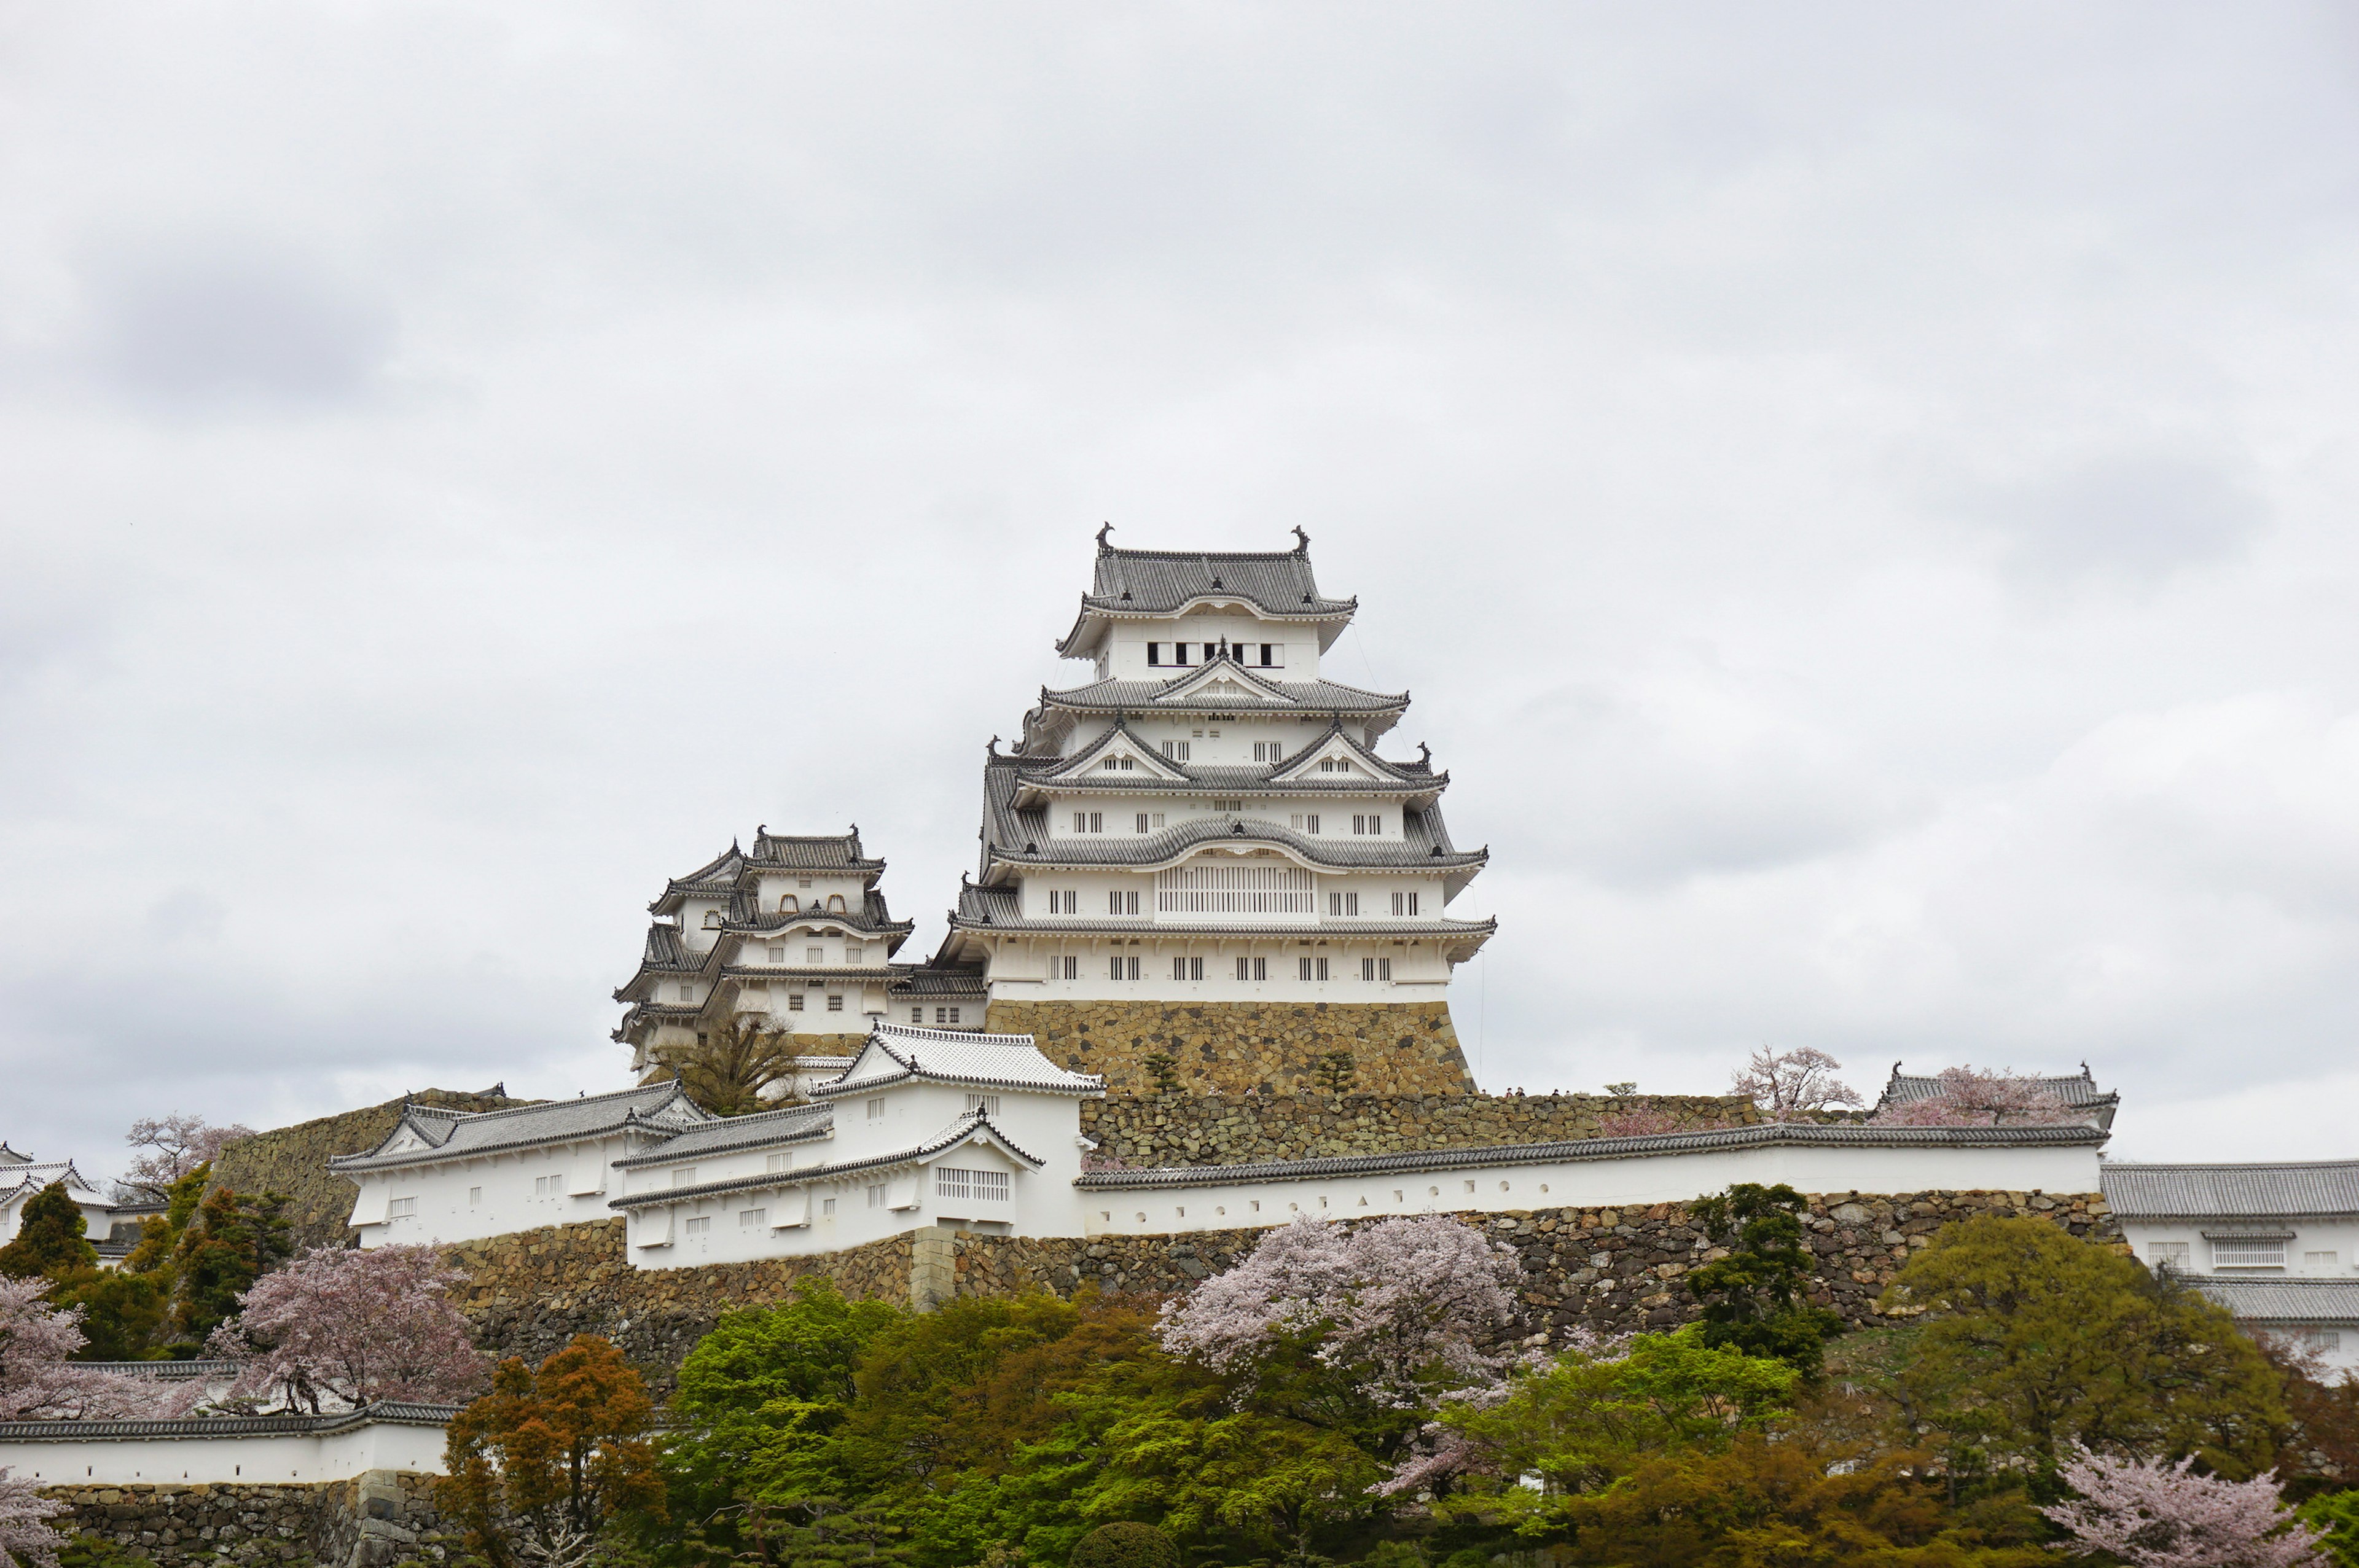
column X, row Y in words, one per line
column 1365, row 1394
column 539, row 1465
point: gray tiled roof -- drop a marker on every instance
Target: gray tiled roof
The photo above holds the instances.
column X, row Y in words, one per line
column 966, row 1125
column 40, row 1173
column 1851, row 1135
column 1278, row 582
column 10, row 1157
column 2078, row 1090
column 1424, row 843
column 1384, row 776
column 811, row 852
column 2072, row 1089
column 938, row 979
column 2233, row 1191
column 1140, row 697
column 871, row 918
column 956, row 1132
column 788, row 1124
column 2283, row 1301
column 166, row 1371
column 895, row 1053
column 717, row 875
column 1000, row 909
column 459, row 1134
column 226, row 1425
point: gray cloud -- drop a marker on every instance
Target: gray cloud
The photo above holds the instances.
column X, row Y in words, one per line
column 213, row 326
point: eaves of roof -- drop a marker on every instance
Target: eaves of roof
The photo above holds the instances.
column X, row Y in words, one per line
column 972, row 1122
column 797, row 1124
column 382, row 1415
column 1770, row 1135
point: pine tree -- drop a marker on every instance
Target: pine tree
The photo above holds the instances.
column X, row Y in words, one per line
column 50, row 1238
column 1752, row 1297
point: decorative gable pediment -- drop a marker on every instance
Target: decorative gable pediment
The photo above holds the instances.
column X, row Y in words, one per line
column 1223, row 681
column 1118, row 755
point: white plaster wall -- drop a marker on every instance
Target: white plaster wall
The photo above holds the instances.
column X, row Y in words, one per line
column 1624, row 1183
column 796, row 1220
column 447, row 1212
column 1125, row 645
column 274, row 1459
column 1029, row 962
column 2338, row 1237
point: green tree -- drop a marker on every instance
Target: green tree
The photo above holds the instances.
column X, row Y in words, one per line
column 734, row 1063
column 126, row 1316
column 2335, row 1517
column 1786, row 1502
column 2031, row 1339
column 757, row 1406
column 540, row 1465
column 50, row 1238
column 229, row 1243
column 1753, row 1297
column 1589, row 1419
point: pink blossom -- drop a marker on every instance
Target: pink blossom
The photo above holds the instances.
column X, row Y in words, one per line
column 1404, row 1303
column 1797, row 1080
column 37, row 1381
column 1971, row 1098
column 175, row 1145
column 24, row 1539
column 2152, row 1515
column 353, row 1327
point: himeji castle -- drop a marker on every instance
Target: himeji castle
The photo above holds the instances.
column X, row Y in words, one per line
column 1203, row 856
column 1198, row 867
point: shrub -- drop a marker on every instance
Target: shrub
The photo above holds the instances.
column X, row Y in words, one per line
column 1124, row 1545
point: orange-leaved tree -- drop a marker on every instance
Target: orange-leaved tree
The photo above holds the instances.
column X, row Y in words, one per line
column 541, row 1463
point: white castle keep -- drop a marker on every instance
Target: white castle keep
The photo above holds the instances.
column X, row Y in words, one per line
column 1208, row 824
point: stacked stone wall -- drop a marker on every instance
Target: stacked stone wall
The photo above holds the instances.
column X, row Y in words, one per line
column 1609, row 1269
column 373, row 1522
column 1147, row 1131
column 1613, row 1271
column 529, row 1292
column 294, row 1161
column 1395, row 1048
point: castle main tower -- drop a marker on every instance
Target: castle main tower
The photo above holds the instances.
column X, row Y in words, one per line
column 1198, row 867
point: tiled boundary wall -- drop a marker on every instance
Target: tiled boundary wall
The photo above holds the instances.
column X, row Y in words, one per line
column 378, row 1519
column 1611, row 1270
column 1148, row 1129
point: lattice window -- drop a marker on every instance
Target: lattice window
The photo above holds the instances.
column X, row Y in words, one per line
column 988, row 1186
column 1234, row 890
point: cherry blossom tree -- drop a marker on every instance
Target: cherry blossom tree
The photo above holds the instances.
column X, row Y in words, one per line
column 1407, row 1307
column 37, row 1381
column 353, row 1327
column 171, row 1146
column 1971, row 1099
column 2152, row 1515
column 24, row 1539
column 1791, row 1082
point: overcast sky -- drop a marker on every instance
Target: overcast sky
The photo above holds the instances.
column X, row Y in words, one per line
column 1862, row 497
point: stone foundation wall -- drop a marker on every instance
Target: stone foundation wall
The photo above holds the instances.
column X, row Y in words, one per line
column 529, row 1292
column 1395, row 1048
column 384, row 1518
column 1147, row 1131
column 294, row 1161
column 1609, row 1269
